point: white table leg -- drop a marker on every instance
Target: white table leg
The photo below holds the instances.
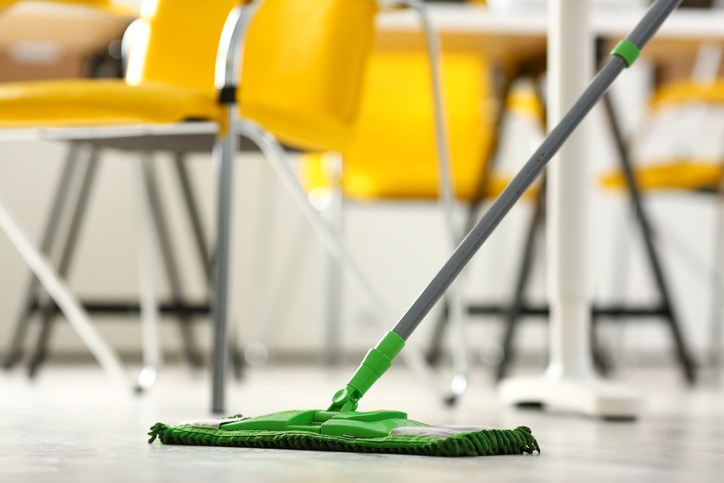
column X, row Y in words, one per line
column 570, row 382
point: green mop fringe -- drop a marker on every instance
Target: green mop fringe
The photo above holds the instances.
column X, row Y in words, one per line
column 480, row 443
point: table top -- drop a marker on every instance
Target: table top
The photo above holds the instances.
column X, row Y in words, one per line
column 59, row 24
column 502, row 34
column 606, row 21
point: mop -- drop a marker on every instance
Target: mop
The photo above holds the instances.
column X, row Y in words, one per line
column 341, row 427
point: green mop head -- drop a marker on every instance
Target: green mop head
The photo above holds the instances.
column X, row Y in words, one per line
column 343, row 428
column 360, row 432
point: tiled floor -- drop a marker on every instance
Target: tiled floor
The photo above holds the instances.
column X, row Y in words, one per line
column 71, row 425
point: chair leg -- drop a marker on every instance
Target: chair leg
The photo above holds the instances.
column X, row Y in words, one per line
column 717, row 289
column 521, row 284
column 172, row 271
column 334, row 281
column 601, row 358
column 620, row 274
column 255, row 351
column 275, row 154
column 66, row 259
column 152, row 357
column 284, row 282
column 687, row 363
column 224, row 151
column 434, row 348
column 61, row 295
column 202, row 247
column 334, row 269
column 458, row 315
column 28, row 307
column 193, row 213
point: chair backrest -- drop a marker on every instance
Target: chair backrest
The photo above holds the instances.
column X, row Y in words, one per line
column 303, row 60
column 177, row 42
column 688, row 92
column 393, row 154
column 303, row 69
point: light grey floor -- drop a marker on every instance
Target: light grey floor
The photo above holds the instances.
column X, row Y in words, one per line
column 71, row 425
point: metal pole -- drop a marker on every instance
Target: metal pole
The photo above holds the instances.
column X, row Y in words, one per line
column 60, row 199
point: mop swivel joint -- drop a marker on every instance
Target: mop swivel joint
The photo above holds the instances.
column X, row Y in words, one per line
column 346, row 399
column 375, row 363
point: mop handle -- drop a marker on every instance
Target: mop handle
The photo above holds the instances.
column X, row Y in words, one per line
column 622, row 57
column 379, row 359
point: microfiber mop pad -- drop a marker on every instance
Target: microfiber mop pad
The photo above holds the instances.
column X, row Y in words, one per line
column 342, row 428
column 420, row 440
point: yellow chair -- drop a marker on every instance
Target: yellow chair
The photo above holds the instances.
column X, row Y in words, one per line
column 394, row 155
column 302, row 66
column 679, row 174
column 692, row 174
column 76, row 179
column 107, row 358
column 81, row 103
column 171, row 78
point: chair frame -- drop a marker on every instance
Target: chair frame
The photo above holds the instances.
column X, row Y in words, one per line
column 227, row 75
column 228, row 78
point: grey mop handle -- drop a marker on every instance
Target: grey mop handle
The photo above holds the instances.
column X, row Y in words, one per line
column 638, row 38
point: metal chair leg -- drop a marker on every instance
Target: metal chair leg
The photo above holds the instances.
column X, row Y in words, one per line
column 62, row 296
column 687, row 363
column 172, row 271
column 58, row 206
column 152, row 357
column 227, row 77
column 458, row 315
column 435, row 347
column 274, row 153
column 332, row 214
column 284, row 282
column 202, row 247
column 66, row 259
column 224, row 153
column 434, row 350
column 521, row 284
column 716, row 321
column 192, row 210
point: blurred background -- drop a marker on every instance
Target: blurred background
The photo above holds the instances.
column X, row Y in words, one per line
column 361, row 149
column 280, row 295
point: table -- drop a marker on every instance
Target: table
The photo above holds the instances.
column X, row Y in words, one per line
column 47, row 34
column 569, row 382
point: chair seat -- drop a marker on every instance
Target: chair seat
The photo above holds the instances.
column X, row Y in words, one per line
column 679, row 175
column 101, row 102
column 687, row 92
